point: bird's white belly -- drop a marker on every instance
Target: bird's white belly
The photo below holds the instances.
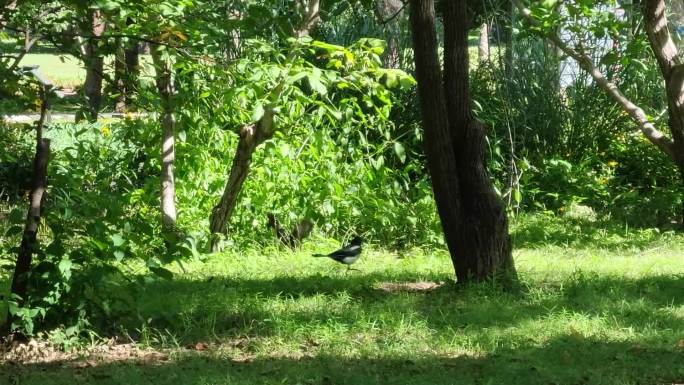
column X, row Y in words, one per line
column 349, row 260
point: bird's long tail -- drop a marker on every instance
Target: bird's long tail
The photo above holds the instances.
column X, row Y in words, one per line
column 319, row 255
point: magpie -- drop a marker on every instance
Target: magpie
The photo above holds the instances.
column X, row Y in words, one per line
column 347, row 254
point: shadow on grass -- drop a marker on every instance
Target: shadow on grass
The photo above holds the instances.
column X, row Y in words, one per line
column 565, row 360
column 237, row 307
column 536, row 231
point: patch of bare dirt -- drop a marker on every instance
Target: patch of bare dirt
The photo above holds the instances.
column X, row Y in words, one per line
column 423, row 286
column 42, row 352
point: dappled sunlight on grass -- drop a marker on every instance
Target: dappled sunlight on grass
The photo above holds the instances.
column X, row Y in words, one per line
column 594, row 315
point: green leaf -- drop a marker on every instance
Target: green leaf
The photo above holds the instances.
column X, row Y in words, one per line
column 119, row 255
column 330, row 48
column 64, row 267
column 378, row 162
column 315, row 81
column 106, row 5
column 406, row 82
column 117, row 240
column 400, row 151
column 258, row 112
column 517, row 196
column 99, row 245
column 14, row 230
column 17, row 216
column 296, row 77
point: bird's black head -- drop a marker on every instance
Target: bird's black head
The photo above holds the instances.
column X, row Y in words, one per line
column 356, row 241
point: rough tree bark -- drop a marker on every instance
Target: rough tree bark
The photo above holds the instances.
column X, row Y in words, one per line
column 508, row 56
column 485, row 247
column 27, row 37
column 132, row 72
column 483, row 44
column 164, row 80
column 120, row 76
column 29, row 243
column 672, row 69
column 251, row 137
column 311, row 16
column 234, row 47
column 94, row 61
column 388, row 13
column 473, row 219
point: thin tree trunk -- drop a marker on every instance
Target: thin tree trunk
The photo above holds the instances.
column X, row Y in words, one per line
column 485, row 247
column 509, row 54
column 94, row 65
column 120, row 77
column 251, row 137
column 388, row 13
column 672, row 69
column 132, row 72
column 483, row 45
column 29, row 243
column 234, row 48
column 27, row 38
column 441, row 159
column 164, row 79
column 311, row 15
column 29, row 239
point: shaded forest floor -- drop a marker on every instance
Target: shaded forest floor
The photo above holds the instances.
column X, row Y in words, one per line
column 598, row 304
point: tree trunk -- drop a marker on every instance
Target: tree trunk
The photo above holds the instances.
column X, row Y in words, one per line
column 509, row 54
column 672, row 69
column 250, row 138
column 483, row 45
column 94, row 65
column 29, row 242
column 120, row 77
column 27, row 38
column 473, row 218
column 441, row 159
column 387, row 13
column 132, row 72
column 311, row 17
column 164, row 79
column 485, row 247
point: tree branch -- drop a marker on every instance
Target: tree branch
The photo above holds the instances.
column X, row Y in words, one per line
column 637, row 114
column 23, row 53
column 394, row 16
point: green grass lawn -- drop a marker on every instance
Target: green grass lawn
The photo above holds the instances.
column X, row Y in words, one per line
column 67, row 72
column 598, row 304
column 63, row 70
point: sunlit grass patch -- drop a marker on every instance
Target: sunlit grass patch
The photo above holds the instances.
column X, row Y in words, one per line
column 595, row 314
